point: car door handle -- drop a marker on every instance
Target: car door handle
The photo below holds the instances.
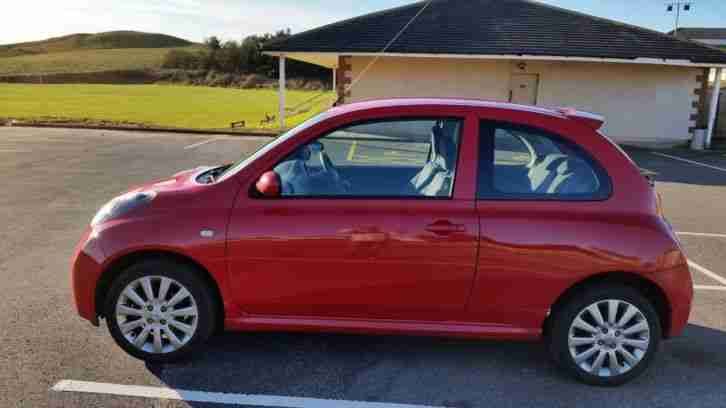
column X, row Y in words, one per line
column 444, row 228
column 368, row 237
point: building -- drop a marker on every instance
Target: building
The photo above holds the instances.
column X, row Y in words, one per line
column 649, row 85
column 715, row 37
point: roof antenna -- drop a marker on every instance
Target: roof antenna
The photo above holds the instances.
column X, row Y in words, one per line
column 380, row 53
column 677, row 6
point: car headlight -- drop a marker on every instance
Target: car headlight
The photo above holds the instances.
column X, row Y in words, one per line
column 122, row 205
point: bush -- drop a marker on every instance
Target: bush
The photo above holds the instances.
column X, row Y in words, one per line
column 252, row 81
column 180, row 59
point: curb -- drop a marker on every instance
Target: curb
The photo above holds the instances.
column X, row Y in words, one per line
column 250, row 133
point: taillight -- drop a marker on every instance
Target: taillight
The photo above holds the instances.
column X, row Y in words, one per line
column 659, row 205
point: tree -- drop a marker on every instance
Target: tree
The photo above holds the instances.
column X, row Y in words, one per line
column 249, row 54
column 229, row 57
column 246, row 56
column 213, row 43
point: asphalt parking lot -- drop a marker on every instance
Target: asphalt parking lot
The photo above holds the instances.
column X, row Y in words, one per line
column 54, row 180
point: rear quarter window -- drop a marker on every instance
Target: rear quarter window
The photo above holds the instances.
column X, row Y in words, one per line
column 524, row 163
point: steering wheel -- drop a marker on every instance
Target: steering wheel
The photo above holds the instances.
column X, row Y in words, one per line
column 332, row 171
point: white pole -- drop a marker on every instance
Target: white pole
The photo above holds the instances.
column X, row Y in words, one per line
column 335, row 79
column 282, row 92
column 678, row 15
column 713, row 111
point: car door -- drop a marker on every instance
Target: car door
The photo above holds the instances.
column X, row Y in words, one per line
column 383, row 238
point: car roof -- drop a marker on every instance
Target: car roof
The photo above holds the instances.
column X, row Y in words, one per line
column 591, row 119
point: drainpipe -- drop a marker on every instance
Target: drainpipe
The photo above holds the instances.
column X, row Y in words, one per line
column 713, row 110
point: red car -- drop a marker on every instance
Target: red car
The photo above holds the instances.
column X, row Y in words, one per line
column 412, row 216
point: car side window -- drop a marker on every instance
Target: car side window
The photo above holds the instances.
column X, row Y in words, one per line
column 414, row 158
column 518, row 162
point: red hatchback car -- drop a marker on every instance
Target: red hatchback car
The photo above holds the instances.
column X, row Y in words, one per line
column 412, row 216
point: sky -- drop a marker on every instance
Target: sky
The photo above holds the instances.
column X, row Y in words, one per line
column 27, row 20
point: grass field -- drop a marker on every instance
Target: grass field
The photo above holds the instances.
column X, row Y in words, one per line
column 162, row 105
column 85, row 61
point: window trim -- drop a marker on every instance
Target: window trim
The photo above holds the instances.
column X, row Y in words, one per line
column 462, row 119
column 486, row 190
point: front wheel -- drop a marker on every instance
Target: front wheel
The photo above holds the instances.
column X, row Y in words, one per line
column 159, row 310
column 606, row 335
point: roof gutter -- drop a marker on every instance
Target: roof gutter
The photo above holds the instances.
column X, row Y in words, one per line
column 643, row 61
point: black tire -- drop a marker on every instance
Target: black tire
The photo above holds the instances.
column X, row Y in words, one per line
column 182, row 273
column 564, row 317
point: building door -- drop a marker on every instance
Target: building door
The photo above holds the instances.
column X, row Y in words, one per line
column 524, row 89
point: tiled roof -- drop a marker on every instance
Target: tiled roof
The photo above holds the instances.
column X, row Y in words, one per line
column 702, row 33
column 496, row 27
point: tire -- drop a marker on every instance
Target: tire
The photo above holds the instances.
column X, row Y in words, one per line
column 642, row 329
column 180, row 327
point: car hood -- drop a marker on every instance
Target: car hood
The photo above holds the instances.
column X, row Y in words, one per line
column 179, row 181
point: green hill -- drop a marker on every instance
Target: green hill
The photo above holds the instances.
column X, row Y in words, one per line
column 107, row 40
column 76, row 53
column 117, row 59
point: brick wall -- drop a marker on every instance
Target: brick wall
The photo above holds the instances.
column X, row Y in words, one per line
column 344, row 77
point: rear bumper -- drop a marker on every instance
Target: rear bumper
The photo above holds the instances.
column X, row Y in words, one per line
column 677, row 284
column 85, row 272
column 679, row 321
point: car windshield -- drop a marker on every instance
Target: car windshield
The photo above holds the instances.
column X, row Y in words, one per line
column 245, row 161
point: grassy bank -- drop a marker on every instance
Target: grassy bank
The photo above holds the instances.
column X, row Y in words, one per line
column 85, row 61
column 160, row 105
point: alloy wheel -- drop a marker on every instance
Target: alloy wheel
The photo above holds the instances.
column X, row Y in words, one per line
column 609, row 338
column 156, row 314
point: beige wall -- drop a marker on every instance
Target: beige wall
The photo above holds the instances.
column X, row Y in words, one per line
column 643, row 104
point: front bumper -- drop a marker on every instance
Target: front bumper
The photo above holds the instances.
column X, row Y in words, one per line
column 86, row 271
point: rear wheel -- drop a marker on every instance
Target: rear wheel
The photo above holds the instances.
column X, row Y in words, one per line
column 607, row 335
column 159, row 310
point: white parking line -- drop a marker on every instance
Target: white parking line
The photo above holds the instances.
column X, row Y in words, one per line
column 689, row 161
column 84, row 387
column 709, row 287
column 708, row 273
column 701, row 234
column 195, row 145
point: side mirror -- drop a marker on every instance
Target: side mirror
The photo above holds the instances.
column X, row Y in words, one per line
column 269, row 185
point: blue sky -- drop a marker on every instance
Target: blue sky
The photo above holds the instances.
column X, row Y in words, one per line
column 27, row 20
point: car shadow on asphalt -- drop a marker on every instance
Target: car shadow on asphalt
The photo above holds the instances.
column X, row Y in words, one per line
column 668, row 170
column 434, row 371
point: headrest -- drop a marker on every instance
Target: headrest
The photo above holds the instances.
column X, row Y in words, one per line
column 435, row 139
column 450, row 128
column 303, row 153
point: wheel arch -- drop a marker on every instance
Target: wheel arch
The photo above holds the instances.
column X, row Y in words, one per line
column 117, row 267
column 649, row 289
